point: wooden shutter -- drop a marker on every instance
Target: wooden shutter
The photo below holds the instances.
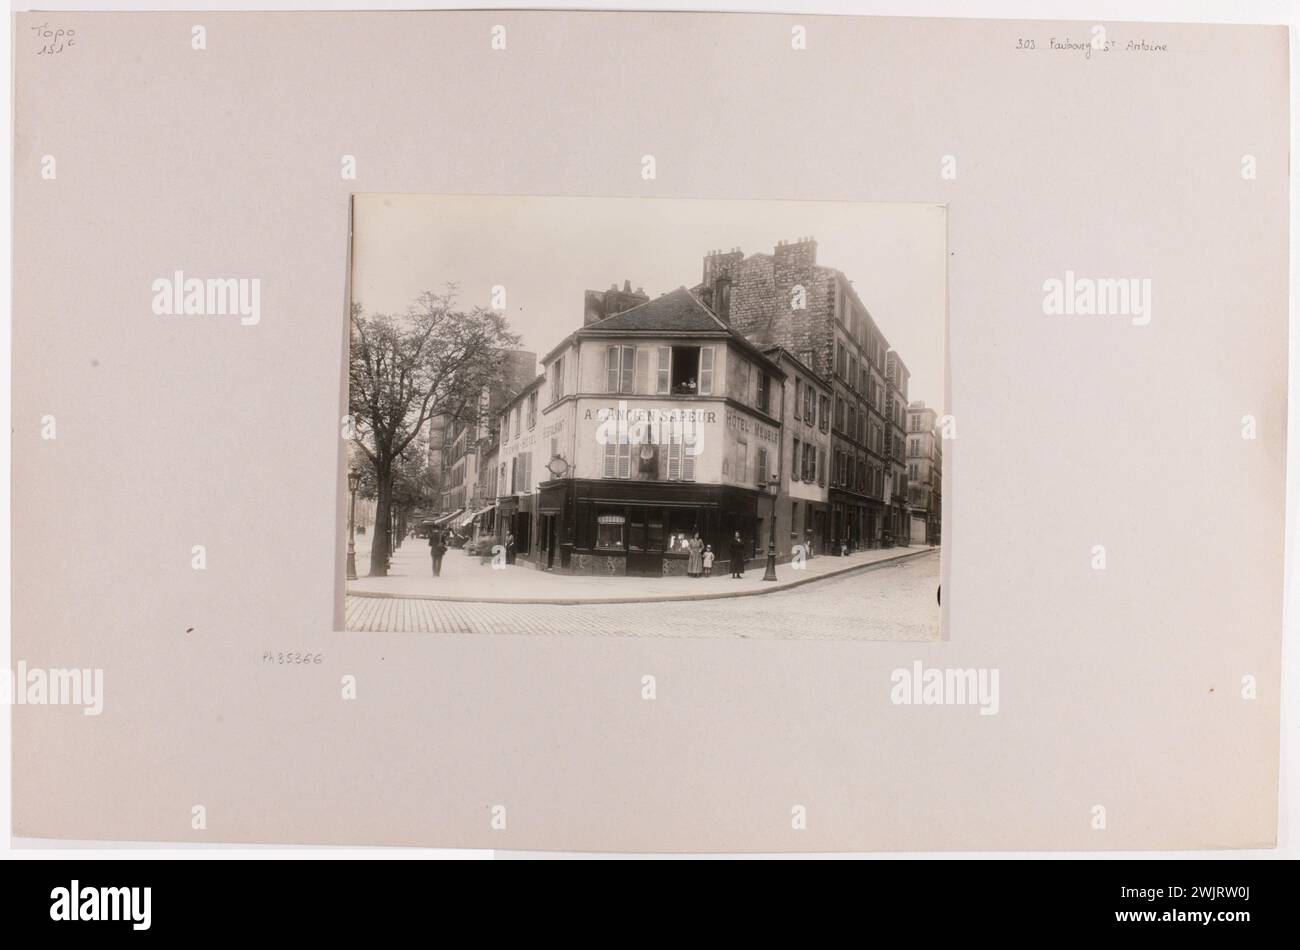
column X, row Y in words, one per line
column 624, row 459
column 629, row 370
column 664, row 368
column 611, row 459
column 674, row 457
column 798, row 396
column 706, row 371
column 611, row 369
column 643, row 370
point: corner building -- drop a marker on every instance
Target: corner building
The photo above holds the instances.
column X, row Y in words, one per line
column 653, row 421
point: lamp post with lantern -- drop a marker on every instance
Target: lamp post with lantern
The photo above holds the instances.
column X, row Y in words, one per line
column 772, row 485
column 354, row 481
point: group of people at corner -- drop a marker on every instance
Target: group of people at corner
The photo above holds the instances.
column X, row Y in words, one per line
column 700, row 556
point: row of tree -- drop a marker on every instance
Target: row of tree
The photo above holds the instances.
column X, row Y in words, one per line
column 433, row 360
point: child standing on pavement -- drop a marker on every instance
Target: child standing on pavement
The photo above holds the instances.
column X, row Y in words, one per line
column 708, row 561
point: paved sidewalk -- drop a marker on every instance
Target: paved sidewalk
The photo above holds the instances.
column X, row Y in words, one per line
column 464, row 579
column 890, row 600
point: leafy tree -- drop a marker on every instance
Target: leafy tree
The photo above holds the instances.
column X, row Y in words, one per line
column 404, row 370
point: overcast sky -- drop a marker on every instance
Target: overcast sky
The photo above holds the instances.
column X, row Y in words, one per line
column 546, row 251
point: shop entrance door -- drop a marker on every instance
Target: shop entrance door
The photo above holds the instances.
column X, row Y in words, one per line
column 645, row 542
column 550, row 532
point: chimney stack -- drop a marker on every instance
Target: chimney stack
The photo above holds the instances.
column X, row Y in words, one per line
column 718, row 263
column 599, row 304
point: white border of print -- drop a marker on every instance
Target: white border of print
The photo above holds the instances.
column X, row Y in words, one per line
column 1182, row 11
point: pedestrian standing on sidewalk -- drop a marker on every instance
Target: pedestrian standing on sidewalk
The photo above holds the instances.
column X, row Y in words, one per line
column 437, row 548
column 707, row 558
column 695, row 559
column 510, row 547
column 737, row 556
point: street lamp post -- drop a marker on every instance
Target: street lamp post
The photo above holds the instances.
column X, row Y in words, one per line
column 354, row 481
column 773, row 483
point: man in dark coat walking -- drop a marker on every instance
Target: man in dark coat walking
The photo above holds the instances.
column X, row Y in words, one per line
column 437, row 548
column 737, row 556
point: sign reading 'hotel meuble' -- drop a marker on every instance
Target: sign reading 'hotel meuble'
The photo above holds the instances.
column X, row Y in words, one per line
column 747, row 426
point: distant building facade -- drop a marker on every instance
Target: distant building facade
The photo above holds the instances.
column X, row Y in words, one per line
column 456, row 446
column 803, row 512
column 925, row 473
column 812, row 311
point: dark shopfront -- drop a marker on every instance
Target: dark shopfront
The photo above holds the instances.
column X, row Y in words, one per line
column 514, row 515
column 595, row 526
column 858, row 522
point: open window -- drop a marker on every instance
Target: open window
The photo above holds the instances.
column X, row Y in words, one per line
column 685, row 370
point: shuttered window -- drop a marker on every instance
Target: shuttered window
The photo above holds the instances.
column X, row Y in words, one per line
column 664, row 374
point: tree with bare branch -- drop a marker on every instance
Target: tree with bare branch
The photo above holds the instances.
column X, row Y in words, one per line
column 433, row 360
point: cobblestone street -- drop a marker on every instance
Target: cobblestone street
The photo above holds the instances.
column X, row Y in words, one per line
column 889, row 601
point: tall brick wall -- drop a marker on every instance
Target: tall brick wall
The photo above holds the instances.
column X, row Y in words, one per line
column 762, row 288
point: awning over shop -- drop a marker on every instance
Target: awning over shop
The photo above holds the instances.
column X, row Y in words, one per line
column 439, row 522
column 472, row 515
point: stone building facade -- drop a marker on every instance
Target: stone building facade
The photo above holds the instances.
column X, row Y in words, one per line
column 925, row 473
column 812, row 311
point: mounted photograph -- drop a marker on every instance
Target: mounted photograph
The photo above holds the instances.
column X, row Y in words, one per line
column 645, row 417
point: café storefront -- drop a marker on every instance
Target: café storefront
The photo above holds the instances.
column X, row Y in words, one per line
column 641, row 529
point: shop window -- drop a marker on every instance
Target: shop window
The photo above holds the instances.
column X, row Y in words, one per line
column 682, row 525
column 645, row 532
column 610, row 528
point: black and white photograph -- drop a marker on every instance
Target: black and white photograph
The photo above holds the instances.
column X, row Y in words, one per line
column 533, row 430
column 636, row 416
